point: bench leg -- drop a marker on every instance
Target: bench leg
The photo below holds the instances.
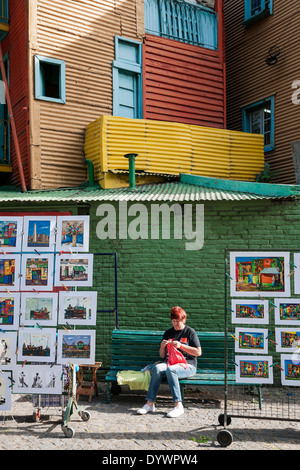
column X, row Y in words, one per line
column 182, row 392
column 108, row 391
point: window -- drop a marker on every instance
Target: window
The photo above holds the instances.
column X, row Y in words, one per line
column 50, row 79
column 4, row 119
column 183, row 21
column 257, row 9
column 258, row 118
column 127, row 79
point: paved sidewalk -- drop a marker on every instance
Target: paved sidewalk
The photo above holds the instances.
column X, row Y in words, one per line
column 116, row 427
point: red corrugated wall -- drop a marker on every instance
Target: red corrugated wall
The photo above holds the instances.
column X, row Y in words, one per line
column 185, row 83
column 16, row 44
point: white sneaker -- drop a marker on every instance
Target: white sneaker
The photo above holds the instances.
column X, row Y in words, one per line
column 176, row 412
column 146, row 409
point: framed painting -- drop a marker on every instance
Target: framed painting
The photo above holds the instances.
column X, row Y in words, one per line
column 39, row 309
column 251, row 340
column 260, row 274
column 9, row 311
column 5, row 391
column 250, row 311
column 9, row 273
column 8, row 349
column 287, row 311
column 287, row 340
column 297, row 273
column 11, row 229
column 37, row 272
column 254, row 370
column 39, row 233
column 74, row 271
column 73, row 233
column 41, row 379
column 37, row 344
column 77, row 308
column 290, row 373
column 76, row 347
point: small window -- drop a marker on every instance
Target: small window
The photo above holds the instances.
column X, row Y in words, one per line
column 258, row 118
column 257, row 9
column 50, row 79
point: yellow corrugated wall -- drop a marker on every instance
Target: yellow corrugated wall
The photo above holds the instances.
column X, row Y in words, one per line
column 173, row 148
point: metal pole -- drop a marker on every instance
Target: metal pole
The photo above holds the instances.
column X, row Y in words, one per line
column 131, row 158
column 225, row 345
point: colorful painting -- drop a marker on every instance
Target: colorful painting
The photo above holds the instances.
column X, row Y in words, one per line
column 73, row 233
column 248, row 311
column 290, row 373
column 11, row 234
column 37, row 272
column 5, row 391
column 287, row 311
column 9, row 273
column 251, row 340
column 37, row 344
column 297, row 273
column 74, row 271
column 77, row 308
column 264, row 274
column 251, row 370
column 9, row 311
column 41, row 379
column 76, row 347
column 39, row 233
column 8, row 348
column 39, row 309
column 287, row 340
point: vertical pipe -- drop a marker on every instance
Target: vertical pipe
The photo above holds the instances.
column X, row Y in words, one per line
column 131, row 158
column 12, row 123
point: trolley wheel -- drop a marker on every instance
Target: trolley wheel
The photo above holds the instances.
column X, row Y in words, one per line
column 224, row 438
column 36, row 416
column 68, row 432
column 115, row 389
column 221, row 420
column 84, row 415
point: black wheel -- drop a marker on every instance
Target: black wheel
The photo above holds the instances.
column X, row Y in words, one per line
column 221, row 420
column 84, row 415
column 115, row 389
column 224, row 438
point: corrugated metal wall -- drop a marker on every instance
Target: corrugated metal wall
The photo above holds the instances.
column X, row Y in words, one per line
column 81, row 33
column 183, row 83
column 249, row 79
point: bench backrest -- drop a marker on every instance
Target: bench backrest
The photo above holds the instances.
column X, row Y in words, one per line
column 135, row 349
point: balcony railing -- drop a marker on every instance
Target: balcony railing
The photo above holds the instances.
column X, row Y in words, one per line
column 175, row 19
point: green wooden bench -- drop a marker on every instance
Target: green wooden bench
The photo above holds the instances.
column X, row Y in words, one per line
column 133, row 350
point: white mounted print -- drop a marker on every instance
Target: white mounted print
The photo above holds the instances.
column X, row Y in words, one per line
column 11, row 230
column 9, row 272
column 297, row 273
column 41, row 379
column 9, row 311
column 254, row 369
column 39, row 309
column 251, row 340
column 5, row 391
column 39, row 233
column 74, row 271
column 287, row 340
column 37, row 344
column 287, row 311
column 37, row 272
column 290, row 370
column 248, row 311
column 73, row 233
column 76, row 347
column 77, row 308
column 8, row 350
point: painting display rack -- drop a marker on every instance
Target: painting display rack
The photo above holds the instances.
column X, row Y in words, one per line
column 270, row 390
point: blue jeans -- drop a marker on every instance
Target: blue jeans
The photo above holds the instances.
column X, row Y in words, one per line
column 172, row 373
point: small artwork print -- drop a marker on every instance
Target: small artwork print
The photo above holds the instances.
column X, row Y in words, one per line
column 290, row 373
column 287, row 311
column 250, row 311
column 287, row 340
column 37, row 345
column 37, row 272
column 39, row 233
column 258, row 369
column 9, row 273
column 9, row 311
column 73, row 233
column 5, row 391
column 253, row 273
column 76, row 347
column 74, row 271
column 8, row 347
column 251, row 340
column 11, row 234
column 77, row 308
column 39, row 309
column 40, row 379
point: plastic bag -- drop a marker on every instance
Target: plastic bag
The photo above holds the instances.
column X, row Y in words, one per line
column 175, row 356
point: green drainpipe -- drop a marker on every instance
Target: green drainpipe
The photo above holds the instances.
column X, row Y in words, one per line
column 91, row 174
column 131, row 158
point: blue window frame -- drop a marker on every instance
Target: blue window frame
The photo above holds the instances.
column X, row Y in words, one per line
column 258, row 118
column 50, row 79
column 127, row 79
column 257, row 9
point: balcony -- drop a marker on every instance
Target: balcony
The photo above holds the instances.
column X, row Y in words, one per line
column 168, row 148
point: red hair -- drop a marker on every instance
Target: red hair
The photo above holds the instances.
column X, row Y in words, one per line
column 177, row 313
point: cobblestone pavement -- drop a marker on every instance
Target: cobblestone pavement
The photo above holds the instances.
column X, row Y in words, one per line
column 117, row 427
